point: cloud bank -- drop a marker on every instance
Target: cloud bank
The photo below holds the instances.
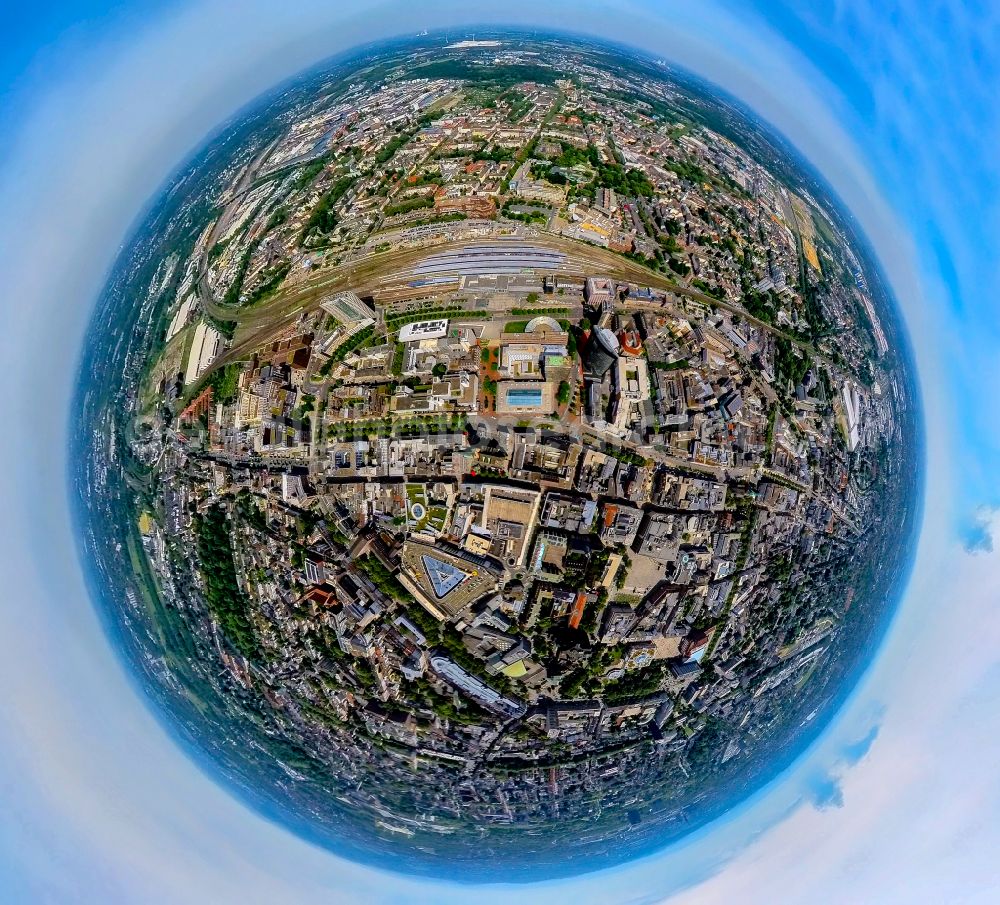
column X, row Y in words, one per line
column 917, row 801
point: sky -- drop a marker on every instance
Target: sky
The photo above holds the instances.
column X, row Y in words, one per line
column 899, row 801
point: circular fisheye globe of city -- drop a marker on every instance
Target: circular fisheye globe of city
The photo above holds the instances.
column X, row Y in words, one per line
column 496, row 455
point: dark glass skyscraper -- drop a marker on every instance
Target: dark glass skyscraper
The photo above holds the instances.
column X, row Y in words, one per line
column 601, row 352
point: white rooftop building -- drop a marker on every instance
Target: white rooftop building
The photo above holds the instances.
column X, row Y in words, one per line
column 422, row 330
column 204, row 350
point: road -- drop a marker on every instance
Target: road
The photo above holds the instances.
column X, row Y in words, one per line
column 369, row 272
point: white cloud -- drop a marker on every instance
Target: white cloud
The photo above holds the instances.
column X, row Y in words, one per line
column 89, row 778
column 920, row 814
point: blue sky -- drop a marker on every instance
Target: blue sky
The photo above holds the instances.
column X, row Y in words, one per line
column 894, row 103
